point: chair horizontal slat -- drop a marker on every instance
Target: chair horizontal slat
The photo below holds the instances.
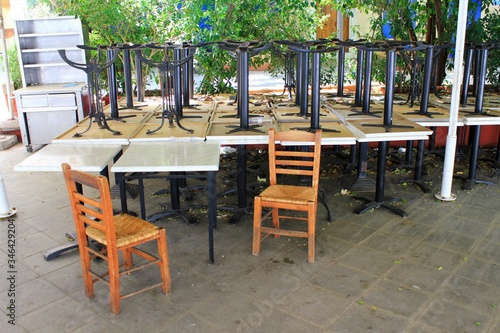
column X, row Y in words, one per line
column 304, row 164
column 87, row 200
column 284, row 232
column 292, row 153
column 297, row 172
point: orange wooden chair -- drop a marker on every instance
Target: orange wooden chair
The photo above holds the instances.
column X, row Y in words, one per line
column 282, row 198
column 94, row 220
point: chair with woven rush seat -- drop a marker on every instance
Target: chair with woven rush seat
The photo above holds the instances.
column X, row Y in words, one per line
column 95, row 221
column 281, row 198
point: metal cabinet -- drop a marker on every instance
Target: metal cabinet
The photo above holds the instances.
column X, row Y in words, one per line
column 50, row 101
column 47, row 111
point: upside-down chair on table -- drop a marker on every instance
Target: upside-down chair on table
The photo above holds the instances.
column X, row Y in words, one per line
column 282, row 198
column 95, row 222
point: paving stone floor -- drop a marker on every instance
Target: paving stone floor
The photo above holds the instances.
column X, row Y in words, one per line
column 437, row 270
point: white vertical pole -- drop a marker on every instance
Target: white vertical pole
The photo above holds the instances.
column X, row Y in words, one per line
column 5, row 210
column 451, row 139
column 6, row 66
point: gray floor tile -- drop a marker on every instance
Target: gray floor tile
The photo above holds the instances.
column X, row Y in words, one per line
column 462, row 225
column 35, row 243
column 270, row 320
column 297, row 267
column 190, row 289
column 437, row 257
column 11, row 328
column 482, row 297
column 98, row 325
column 20, row 229
column 451, row 317
column 417, row 276
column 488, row 251
column 408, row 227
column 313, row 304
column 45, row 292
column 493, row 234
column 38, row 264
column 254, row 285
column 364, row 318
column 396, row 298
column 234, row 310
column 431, row 216
column 144, row 312
column 50, row 219
column 188, row 323
column 331, row 247
column 482, row 211
column 345, row 281
column 480, row 270
column 67, row 278
column 23, row 274
column 390, row 243
column 49, row 318
column 421, row 328
column 367, row 259
column 351, row 231
column 451, row 240
column 495, row 325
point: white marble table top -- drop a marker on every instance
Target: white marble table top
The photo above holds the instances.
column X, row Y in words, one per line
column 347, row 112
column 366, row 133
column 89, row 158
column 492, row 119
column 218, row 132
column 436, row 122
column 341, row 136
column 439, row 117
column 97, row 135
column 169, row 156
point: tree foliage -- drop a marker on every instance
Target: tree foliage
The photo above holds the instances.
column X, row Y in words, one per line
column 431, row 21
column 160, row 21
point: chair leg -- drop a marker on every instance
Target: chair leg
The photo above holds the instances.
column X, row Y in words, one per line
column 114, row 283
column 86, row 268
column 164, row 265
column 127, row 257
column 257, row 222
column 276, row 220
column 311, row 230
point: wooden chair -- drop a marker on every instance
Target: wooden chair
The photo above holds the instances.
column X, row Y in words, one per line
column 282, row 198
column 95, row 221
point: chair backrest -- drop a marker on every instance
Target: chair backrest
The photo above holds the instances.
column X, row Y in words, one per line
column 88, row 211
column 305, row 161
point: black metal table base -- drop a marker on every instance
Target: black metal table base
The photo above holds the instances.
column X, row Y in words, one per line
column 237, row 213
column 361, row 113
column 121, row 118
column 469, row 183
column 382, row 204
column 60, row 249
column 421, row 184
column 182, row 213
column 355, row 183
column 322, row 200
column 72, row 244
column 236, row 128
